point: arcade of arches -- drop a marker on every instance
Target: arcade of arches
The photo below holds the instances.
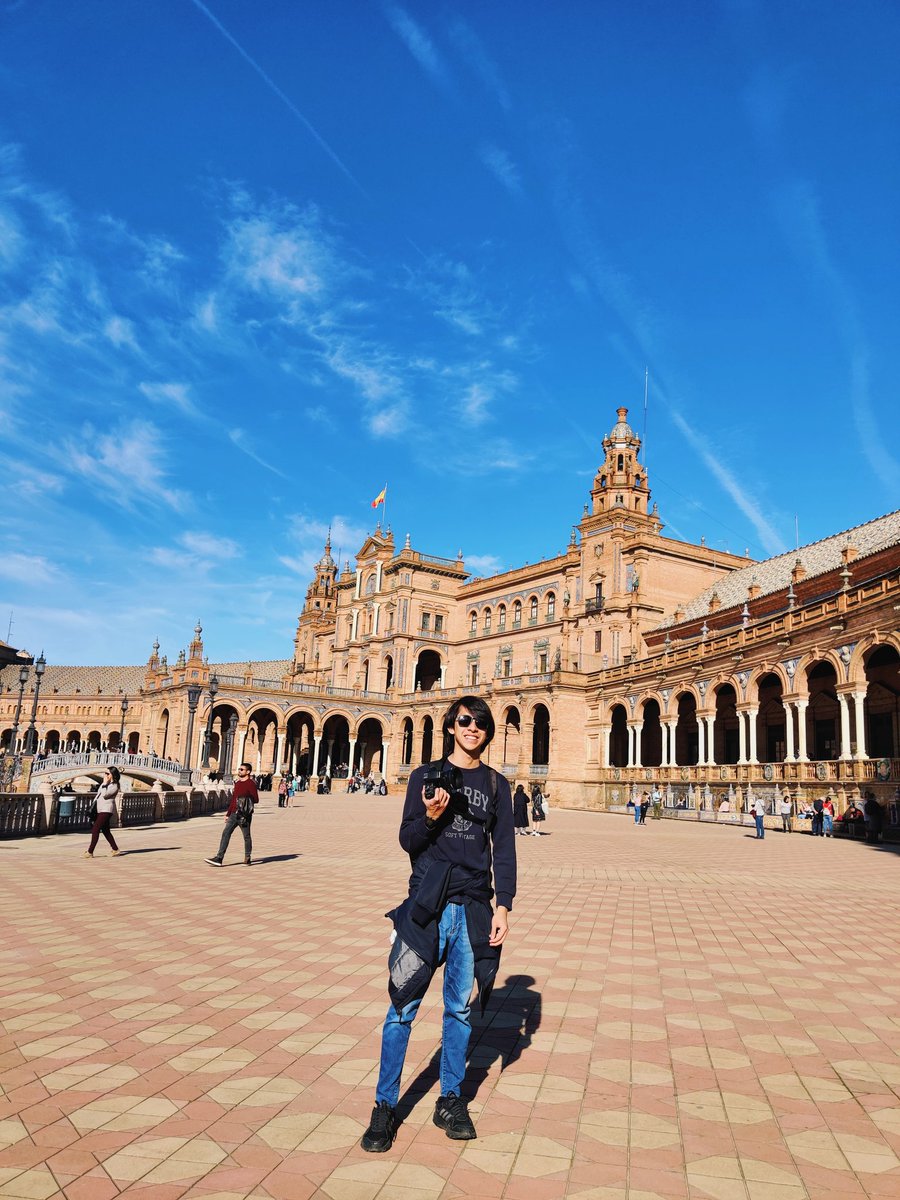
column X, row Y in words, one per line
column 813, row 714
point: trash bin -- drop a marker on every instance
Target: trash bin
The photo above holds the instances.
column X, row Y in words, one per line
column 66, row 808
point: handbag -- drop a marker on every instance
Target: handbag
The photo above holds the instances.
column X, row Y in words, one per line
column 92, row 815
column 244, row 811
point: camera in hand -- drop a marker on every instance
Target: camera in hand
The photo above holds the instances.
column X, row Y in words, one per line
column 441, row 775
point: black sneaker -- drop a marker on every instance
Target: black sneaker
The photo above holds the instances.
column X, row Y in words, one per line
column 248, row 862
column 213, row 862
column 451, row 1113
column 382, row 1129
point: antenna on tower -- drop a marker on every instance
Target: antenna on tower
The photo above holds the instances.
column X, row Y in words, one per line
column 644, row 439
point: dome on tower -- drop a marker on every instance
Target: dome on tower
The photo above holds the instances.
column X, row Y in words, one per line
column 621, row 430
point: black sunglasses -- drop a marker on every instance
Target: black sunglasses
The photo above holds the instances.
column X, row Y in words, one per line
column 465, row 721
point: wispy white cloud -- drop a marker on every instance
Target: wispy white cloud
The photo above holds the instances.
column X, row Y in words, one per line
column 273, row 87
column 120, row 332
column 209, row 545
column 125, row 466
column 29, row 570
column 476, row 56
column 502, row 167
column 172, row 395
column 307, row 535
column 419, row 44
column 715, row 463
column 483, row 565
column 239, row 438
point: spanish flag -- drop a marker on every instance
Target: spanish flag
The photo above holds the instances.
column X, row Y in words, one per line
column 379, row 499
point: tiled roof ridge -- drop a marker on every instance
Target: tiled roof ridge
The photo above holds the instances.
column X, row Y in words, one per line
column 773, row 574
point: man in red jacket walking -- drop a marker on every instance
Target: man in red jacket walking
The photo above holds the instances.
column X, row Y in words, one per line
column 240, row 813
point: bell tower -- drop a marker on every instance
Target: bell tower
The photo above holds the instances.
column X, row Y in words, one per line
column 318, row 615
column 620, row 495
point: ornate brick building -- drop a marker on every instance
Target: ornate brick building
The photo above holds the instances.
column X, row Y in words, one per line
column 629, row 658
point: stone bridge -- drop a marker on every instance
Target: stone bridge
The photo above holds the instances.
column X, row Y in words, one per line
column 91, row 764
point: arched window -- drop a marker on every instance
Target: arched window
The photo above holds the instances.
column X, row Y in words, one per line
column 621, row 463
column 473, row 622
column 487, row 620
column 551, row 606
column 533, row 609
column 517, row 614
column 603, row 481
column 501, row 617
column 637, row 481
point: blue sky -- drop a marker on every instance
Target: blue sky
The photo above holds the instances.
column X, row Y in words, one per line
column 258, row 260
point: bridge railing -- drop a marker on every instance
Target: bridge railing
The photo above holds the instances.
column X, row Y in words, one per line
column 21, row 815
column 104, row 758
column 31, row 815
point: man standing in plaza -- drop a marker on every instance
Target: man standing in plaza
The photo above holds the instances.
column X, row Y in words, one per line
column 457, row 830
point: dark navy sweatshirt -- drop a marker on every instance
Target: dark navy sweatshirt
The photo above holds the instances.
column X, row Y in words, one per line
column 461, row 842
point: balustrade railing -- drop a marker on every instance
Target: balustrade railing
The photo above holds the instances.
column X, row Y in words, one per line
column 103, row 758
column 21, row 815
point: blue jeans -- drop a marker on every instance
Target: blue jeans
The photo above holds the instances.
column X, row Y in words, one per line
column 828, row 823
column 459, row 976
column 760, row 828
column 637, row 814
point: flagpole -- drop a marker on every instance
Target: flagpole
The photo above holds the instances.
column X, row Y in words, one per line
column 384, row 511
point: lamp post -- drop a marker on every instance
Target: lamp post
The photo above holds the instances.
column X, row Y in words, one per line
column 30, row 745
column 228, row 776
column 193, row 699
column 207, row 739
column 122, row 726
column 23, row 679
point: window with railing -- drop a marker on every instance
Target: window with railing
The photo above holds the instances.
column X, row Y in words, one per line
column 487, row 620
column 501, row 617
column 438, row 622
column 551, row 606
column 426, row 622
column 473, row 623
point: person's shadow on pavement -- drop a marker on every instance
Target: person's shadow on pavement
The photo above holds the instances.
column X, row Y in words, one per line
column 511, row 1020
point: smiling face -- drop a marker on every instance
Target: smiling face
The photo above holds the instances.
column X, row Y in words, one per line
column 466, row 734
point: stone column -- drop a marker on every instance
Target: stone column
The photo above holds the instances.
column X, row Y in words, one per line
column 385, row 747
column 314, row 765
column 638, row 736
column 605, row 731
column 710, row 740
column 788, row 730
column 350, row 757
column 329, row 745
column 243, row 732
column 701, row 741
column 845, row 726
column 443, row 675
column 752, row 715
column 802, row 706
column 742, row 738
column 859, row 706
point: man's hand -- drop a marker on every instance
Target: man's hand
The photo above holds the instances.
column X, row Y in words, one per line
column 499, row 926
column 435, row 807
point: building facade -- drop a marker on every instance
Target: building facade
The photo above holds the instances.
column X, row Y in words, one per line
column 631, row 658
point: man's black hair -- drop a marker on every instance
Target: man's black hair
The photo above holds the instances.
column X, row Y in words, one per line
column 478, row 708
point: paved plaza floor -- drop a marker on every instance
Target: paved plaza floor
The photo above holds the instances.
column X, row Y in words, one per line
column 681, row 1011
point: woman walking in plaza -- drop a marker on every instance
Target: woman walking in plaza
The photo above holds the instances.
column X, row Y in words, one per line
column 105, row 800
column 520, row 811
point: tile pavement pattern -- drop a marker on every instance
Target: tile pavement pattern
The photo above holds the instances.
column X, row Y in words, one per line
column 681, row 1012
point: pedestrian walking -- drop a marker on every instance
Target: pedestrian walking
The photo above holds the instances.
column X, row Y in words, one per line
column 457, row 827
column 105, row 800
column 520, row 811
column 538, row 810
column 239, row 815
column 645, row 804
